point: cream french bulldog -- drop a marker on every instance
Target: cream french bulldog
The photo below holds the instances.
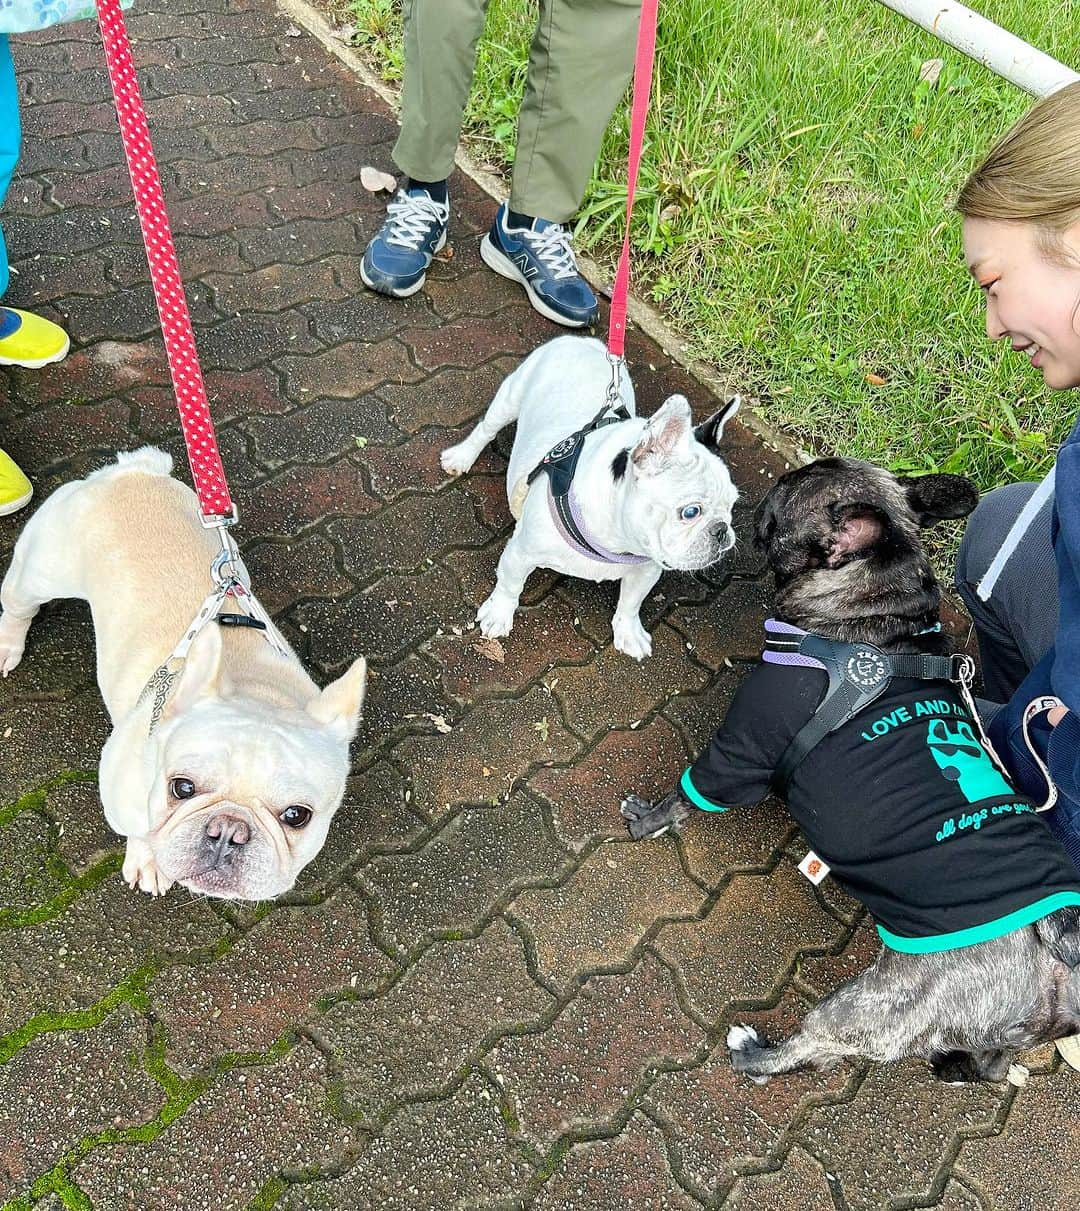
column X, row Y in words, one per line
column 647, row 495
column 229, row 786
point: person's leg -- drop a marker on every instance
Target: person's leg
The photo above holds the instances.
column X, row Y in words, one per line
column 581, row 59
column 9, row 141
column 1017, row 625
column 440, row 54
column 580, row 62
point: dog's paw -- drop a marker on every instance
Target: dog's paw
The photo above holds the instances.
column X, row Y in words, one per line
column 10, row 655
column 496, row 617
column 645, row 820
column 742, row 1038
column 141, row 871
column 631, row 638
column 456, row 460
column 745, row 1043
column 12, row 640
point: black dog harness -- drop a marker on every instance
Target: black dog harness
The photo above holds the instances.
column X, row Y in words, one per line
column 894, row 791
column 559, row 465
column 859, row 673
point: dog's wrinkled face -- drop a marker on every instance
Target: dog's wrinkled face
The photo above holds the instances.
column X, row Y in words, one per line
column 239, row 806
column 842, row 539
column 239, row 788
column 679, row 496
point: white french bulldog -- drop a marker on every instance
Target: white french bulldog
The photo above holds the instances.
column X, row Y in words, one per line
column 230, row 792
column 647, row 495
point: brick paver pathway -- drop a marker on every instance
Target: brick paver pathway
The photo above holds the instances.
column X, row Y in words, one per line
column 480, row 994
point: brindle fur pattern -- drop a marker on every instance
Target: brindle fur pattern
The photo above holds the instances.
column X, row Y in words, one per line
column 843, row 540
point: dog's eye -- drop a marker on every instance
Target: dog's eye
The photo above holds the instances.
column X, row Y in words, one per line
column 689, row 512
column 295, row 816
column 182, row 788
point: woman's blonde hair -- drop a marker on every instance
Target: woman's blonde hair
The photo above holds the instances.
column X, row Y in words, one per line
column 1032, row 174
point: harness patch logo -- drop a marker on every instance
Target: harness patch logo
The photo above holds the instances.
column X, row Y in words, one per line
column 963, row 760
column 866, row 669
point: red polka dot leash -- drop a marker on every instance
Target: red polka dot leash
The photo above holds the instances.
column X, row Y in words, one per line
column 639, row 110
column 208, row 474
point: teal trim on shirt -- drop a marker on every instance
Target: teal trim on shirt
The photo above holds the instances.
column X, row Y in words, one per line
column 980, row 933
column 695, row 796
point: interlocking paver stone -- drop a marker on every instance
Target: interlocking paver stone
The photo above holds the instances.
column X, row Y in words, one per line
column 578, row 1074
column 67, row 1085
column 478, row 859
column 1034, row 1165
column 413, row 1039
column 627, row 1171
column 597, row 918
column 252, row 1124
column 269, row 981
column 505, row 826
column 914, row 1121
column 722, row 1124
column 749, row 939
column 450, row 1153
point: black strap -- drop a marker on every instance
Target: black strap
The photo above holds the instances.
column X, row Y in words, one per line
column 240, row 620
column 859, row 673
column 560, row 464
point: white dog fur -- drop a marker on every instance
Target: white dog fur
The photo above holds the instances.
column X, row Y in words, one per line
column 556, row 390
column 245, row 728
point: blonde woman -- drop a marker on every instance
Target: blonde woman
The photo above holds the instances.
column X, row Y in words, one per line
column 1019, row 563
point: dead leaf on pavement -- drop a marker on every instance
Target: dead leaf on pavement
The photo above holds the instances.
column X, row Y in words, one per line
column 373, row 180
column 492, row 649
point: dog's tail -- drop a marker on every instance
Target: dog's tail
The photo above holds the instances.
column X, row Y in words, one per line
column 148, row 459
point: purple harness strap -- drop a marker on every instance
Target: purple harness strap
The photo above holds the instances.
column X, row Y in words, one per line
column 773, row 627
column 598, row 553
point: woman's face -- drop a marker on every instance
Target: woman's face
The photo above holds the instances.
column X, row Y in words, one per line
column 1031, row 301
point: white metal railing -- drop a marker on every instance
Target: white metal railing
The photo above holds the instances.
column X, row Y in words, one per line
column 994, row 47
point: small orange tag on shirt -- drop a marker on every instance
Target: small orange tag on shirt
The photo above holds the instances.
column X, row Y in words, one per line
column 813, row 868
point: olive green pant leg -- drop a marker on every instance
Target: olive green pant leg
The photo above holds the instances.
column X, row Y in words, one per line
column 582, row 58
column 440, row 54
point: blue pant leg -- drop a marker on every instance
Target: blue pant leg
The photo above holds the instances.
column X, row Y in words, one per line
column 9, row 140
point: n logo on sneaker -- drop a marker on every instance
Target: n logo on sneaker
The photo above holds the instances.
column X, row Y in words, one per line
column 521, row 260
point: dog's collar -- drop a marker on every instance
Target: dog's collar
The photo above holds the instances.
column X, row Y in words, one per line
column 559, row 465
column 859, row 673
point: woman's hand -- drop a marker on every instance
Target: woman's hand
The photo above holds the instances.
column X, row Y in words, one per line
column 1056, row 714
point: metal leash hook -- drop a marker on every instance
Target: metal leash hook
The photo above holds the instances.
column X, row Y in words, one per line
column 614, row 398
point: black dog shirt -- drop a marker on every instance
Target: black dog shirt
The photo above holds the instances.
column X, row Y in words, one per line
column 902, row 802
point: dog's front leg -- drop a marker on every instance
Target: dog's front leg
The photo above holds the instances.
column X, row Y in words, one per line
column 141, row 870
column 496, row 615
column 630, row 636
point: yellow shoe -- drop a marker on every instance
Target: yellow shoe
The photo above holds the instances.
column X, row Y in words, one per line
column 28, row 340
column 15, row 489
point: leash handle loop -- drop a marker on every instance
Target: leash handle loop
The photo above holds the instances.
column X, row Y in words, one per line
column 207, row 472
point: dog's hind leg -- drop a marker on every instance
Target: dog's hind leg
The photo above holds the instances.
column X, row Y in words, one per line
column 41, row 570
column 502, row 410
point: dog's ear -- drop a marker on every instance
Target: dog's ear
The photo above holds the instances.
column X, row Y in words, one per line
column 339, row 705
column 857, row 529
column 935, row 498
column 665, row 438
column 200, row 673
column 710, row 431
column 765, row 521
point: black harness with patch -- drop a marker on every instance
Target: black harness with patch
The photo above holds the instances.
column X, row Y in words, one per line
column 559, row 465
column 859, row 673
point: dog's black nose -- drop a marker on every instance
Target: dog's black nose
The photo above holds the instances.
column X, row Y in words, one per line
column 725, row 539
column 224, row 836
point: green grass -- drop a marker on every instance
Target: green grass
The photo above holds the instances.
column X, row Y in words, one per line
column 795, row 218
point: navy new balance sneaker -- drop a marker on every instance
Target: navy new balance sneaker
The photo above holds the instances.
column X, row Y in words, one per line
column 397, row 259
column 541, row 259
